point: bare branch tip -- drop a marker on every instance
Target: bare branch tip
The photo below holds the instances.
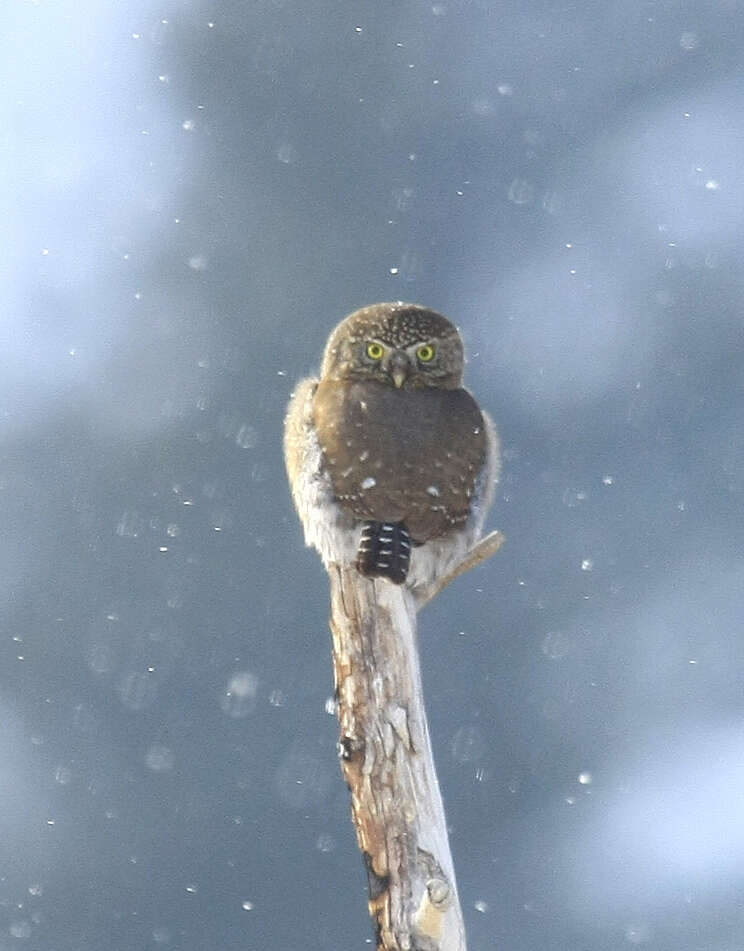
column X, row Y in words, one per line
column 480, row 552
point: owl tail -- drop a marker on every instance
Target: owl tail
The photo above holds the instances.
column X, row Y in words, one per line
column 384, row 551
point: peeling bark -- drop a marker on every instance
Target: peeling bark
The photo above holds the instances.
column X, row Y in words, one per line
column 387, row 761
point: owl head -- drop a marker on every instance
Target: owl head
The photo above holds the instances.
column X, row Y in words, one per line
column 402, row 345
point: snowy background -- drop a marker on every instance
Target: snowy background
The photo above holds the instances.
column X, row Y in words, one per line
column 193, row 194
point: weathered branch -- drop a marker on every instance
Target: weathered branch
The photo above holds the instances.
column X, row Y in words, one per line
column 387, row 759
column 481, row 551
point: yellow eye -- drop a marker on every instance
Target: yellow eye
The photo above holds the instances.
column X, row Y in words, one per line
column 375, row 350
column 425, row 353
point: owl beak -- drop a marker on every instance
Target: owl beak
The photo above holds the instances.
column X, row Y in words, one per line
column 398, row 369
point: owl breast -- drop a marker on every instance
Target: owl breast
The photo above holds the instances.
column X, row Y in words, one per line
column 401, row 455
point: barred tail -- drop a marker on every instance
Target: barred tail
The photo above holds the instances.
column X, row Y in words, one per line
column 384, row 551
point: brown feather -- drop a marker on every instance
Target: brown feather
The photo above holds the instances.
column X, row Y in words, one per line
column 401, row 455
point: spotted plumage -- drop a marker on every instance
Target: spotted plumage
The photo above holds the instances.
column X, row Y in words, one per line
column 384, row 551
column 391, row 462
column 401, row 455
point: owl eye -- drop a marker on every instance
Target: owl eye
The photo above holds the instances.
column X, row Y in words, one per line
column 375, row 351
column 425, row 353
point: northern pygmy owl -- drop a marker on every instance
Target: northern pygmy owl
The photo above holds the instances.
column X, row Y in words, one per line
column 391, row 463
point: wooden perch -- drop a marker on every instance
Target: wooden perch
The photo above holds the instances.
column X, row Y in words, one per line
column 482, row 550
column 387, row 759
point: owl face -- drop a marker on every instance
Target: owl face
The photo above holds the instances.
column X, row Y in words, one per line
column 400, row 345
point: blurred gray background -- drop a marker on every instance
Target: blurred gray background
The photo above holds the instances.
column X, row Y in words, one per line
column 194, row 193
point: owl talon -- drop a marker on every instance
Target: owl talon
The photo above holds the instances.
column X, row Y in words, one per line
column 384, row 551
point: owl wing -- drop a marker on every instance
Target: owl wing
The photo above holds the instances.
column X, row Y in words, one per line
column 440, row 555
column 328, row 528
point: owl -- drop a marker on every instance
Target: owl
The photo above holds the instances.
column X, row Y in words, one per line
column 391, row 463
